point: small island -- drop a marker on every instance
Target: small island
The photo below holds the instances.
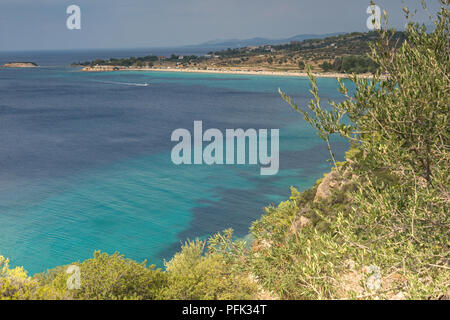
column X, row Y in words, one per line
column 20, row 65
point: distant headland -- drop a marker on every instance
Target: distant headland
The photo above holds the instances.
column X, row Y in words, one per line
column 336, row 56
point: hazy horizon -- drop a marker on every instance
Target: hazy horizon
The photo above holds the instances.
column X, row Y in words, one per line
column 30, row 25
column 158, row 47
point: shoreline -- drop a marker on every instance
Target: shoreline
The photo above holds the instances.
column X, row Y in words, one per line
column 221, row 71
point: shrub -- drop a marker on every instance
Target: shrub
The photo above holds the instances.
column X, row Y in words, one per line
column 355, row 64
column 16, row 285
column 301, row 65
column 110, row 277
column 326, row 66
column 195, row 275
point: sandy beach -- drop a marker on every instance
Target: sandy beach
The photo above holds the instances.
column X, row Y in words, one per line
column 231, row 71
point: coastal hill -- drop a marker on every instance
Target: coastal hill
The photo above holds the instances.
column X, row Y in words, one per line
column 258, row 41
column 343, row 54
column 20, row 65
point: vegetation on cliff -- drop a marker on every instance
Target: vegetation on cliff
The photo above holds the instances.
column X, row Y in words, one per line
column 375, row 227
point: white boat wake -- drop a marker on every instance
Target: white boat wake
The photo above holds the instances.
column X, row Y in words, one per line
column 145, row 84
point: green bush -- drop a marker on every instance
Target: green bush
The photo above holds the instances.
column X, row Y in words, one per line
column 195, row 275
column 109, row 277
column 16, row 285
column 326, row 66
column 301, row 65
column 354, row 64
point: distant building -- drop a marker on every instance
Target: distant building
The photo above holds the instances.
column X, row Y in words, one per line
column 180, row 57
column 162, row 58
column 296, row 42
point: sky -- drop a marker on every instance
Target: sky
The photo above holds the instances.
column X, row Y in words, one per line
column 41, row 24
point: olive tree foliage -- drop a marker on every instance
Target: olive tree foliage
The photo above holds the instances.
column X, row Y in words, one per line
column 399, row 131
column 400, row 117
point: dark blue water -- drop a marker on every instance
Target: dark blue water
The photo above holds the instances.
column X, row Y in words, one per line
column 85, row 158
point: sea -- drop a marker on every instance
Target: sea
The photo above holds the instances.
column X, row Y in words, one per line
column 85, row 158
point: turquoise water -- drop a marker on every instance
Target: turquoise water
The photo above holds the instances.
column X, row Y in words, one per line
column 85, row 160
